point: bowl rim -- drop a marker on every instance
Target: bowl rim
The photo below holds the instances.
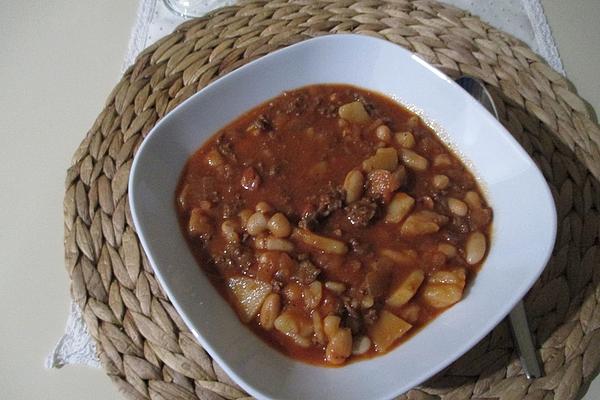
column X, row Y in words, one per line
column 214, row 353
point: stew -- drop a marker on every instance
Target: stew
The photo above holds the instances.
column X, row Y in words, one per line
column 334, row 221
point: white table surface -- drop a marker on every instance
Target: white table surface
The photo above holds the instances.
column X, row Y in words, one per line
column 58, row 62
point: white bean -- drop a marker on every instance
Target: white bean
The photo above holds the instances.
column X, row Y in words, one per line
column 475, row 248
column 447, row 249
column 331, row 324
column 323, row 243
column 286, row 324
column 440, row 182
column 229, row 229
column 274, row 244
column 473, row 200
column 263, row 207
column 361, row 345
column 413, row 160
column 245, row 215
column 442, row 160
column 457, row 207
column 279, row 226
column 318, row 327
column 336, row 287
column 383, row 133
column 269, row 311
column 257, row 223
column 312, row 295
column 399, row 207
column 353, row 185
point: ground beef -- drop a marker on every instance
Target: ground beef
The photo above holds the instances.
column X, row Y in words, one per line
column 277, row 286
column 369, row 316
column 236, row 256
column 297, row 105
column 261, row 124
column 225, row 147
column 479, row 218
column 232, row 207
column 327, row 110
column 358, row 247
column 361, row 212
column 329, row 202
column 321, row 207
column 382, row 184
column 208, row 189
column 307, row 272
column 351, row 316
column 460, row 224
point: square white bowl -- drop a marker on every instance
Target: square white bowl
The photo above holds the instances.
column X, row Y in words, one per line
column 524, row 226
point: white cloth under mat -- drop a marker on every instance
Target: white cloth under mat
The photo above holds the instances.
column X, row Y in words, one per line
column 524, row 19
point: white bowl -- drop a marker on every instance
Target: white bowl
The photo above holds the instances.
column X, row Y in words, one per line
column 524, row 226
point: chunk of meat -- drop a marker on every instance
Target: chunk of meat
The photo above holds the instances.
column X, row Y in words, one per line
column 377, row 282
column 260, row 125
column 297, row 105
column 197, row 191
column 329, row 202
column 307, row 272
column 236, row 256
column 321, row 207
column 225, row 147
column 381, row 185
column 361, row 212
column 359, row 247
column 479, row 218
column 276, row 265
column 250, row 179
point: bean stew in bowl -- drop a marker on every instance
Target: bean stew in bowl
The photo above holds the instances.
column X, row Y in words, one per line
column 322, row 241
column 334, row 221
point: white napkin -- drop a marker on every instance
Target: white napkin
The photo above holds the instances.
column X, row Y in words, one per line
column 525, row 19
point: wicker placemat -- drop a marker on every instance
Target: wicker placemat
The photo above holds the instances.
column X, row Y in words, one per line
column 142, row 342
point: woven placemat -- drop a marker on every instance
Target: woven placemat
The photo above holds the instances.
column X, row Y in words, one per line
column 144, row 345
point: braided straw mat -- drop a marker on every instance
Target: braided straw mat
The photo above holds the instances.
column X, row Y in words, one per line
column 142, row 342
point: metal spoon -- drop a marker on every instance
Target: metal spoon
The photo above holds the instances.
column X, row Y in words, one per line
column 517, row 317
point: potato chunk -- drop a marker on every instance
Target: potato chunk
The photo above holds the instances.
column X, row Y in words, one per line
column 354, row 112
column 249, row 295
column 385, row 158
column 387, row 329
column 407, row 289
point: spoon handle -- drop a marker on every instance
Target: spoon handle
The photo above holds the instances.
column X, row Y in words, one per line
column 517, row 317
column 522, row 336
